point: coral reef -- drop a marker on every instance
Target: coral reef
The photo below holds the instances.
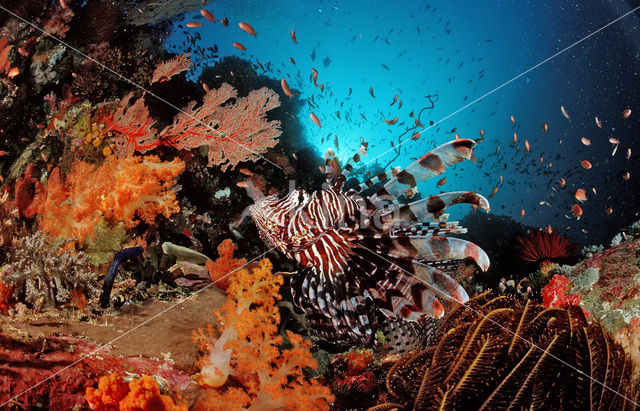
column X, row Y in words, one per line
column 354, row 376
column 9, row 214
column 225, row 264
column 555, row 294
column 499, row 353
column 253, row 366
column 544, row 247
column 140, row 394
column 120, row 190
column 69, row 366
column 42, row 272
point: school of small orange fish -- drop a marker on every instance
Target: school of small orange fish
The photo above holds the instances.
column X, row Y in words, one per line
column 572, row 211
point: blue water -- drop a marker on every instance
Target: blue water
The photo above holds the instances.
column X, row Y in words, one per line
column 461, row 51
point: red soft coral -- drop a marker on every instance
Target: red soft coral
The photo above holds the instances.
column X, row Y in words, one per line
column 142, row 394
column 6, row 297
column 220, row 269
column 270, row 377
column 120, row 190
column 29, row 192
column 555, row 294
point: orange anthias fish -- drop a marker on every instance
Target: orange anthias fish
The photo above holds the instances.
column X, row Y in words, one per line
column 247, row 28
column 193, row 24
column 626, row 113
column 564, row 113
column 513, row 119
column 239, row 46
column 441, row 182
column 598, row 122
column 581, row 195
column 285, row 88
column 576, row 210
column 522, row 213
column 293, row 37
column 609, row 210
column 527, row 146
column 415, row 136
column 207, row 15
column 545, row 127
column 13, row 72
column 495, row 190
column 562, row 182
column 515, row 138
column 392, row 122
column 371, row 92
column 585, row 141
column 585, row 164
column 315, row 119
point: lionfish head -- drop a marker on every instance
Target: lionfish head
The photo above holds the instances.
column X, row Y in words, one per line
column 271, row 215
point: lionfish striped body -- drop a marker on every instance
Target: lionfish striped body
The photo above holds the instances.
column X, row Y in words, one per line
column 352, row 247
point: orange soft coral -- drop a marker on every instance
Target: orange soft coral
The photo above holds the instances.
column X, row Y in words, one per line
column 120, row 190
column 142, row 394
column 270, row 377
column 220, row 269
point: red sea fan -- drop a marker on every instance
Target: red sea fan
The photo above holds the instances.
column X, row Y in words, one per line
column 170, row 68
column 542, row 246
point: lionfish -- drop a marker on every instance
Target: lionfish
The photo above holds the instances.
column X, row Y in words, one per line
column 352, row 248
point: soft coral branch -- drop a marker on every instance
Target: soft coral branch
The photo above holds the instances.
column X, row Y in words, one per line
column 271, row 377
column 120, row 190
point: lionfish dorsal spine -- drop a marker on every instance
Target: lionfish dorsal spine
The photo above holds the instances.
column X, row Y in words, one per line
column 430, row 165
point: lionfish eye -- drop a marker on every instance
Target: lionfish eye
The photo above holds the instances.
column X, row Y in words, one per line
column 300, row 198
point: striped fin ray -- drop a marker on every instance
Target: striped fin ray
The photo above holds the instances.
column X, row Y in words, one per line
column 428, row 248
column 430, row 165
column 380, row 178
column 348, row 168
column 403, row 336
column 329, row 308
column 431, row 208
column 430, row 229
column 404, row 287
column 331, row 165
column 415, row 291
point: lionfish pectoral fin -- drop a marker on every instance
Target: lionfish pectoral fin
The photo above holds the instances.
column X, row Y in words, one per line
column 421, row 291
column 329, row 309
column 431, row 208
column 428, row 248
column 430, row 165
